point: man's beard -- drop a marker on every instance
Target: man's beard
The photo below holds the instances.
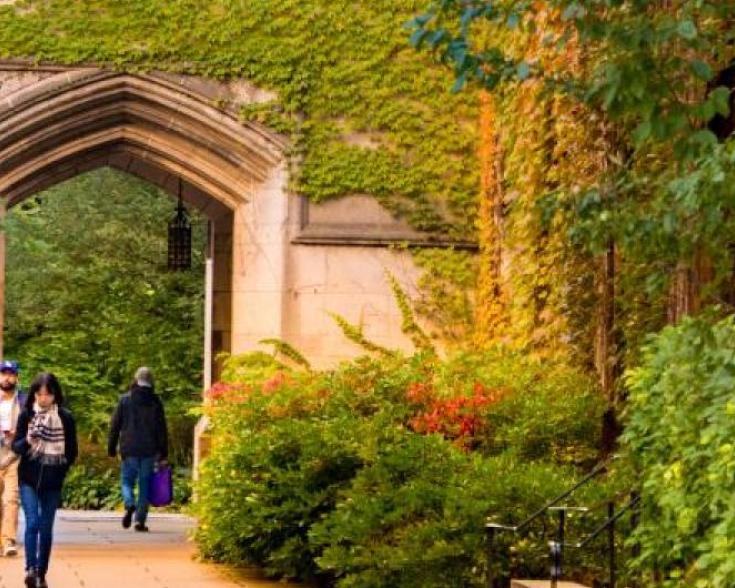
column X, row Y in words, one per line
column 7, row 387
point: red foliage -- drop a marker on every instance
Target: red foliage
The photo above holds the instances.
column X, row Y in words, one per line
column 274, row 382
column 224, row 391
column 419, row 393
column 458, row 418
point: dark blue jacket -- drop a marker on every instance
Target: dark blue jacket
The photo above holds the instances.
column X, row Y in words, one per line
column 139, row 425
column 31, row 471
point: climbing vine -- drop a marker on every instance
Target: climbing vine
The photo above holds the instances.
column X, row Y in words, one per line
column 599, row 124
column 365, row 113
column 617, row 204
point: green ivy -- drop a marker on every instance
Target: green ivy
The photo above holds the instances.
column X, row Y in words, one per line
column 366, row 113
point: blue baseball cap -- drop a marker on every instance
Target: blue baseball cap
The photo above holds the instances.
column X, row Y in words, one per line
column 8, row 365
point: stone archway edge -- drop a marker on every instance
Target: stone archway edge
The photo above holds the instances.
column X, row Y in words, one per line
column 177, row 122
column 171, row 88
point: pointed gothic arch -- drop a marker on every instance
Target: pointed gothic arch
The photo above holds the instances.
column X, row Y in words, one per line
column 56, row 123
column 282, row 265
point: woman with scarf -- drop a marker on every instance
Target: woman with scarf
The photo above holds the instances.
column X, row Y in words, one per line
column 46, row 441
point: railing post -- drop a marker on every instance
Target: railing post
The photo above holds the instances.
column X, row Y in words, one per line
column 635, row 519
column 490, row 552
column 611, row 542
column 557, row 550
column 500, row 580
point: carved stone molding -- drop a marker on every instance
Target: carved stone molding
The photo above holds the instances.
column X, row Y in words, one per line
column 57, row 122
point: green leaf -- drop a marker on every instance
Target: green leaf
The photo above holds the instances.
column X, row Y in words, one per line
column 642, row 132
column 436, row 38
column 687, row 30
column 704, row 137
column 459, row 83
column 720, row 98
column 701, row 69
column 417, row 37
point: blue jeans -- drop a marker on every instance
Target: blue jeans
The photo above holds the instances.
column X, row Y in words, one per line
column 136, row 469
column 40, row 511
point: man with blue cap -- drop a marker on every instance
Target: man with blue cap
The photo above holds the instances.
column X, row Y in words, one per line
column 11, row 404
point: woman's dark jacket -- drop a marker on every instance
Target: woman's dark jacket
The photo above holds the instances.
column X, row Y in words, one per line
column 33, row 472
column 139, row 423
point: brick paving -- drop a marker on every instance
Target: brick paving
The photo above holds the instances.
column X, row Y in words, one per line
column 92, row 550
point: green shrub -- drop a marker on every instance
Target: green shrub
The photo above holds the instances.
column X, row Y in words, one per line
column 680, row 435
column 415, row 516
column 90, row 486
column 546, row 410
column 329, row 475
column 93, row 483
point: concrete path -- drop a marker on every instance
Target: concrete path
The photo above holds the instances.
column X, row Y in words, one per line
column 92, row 550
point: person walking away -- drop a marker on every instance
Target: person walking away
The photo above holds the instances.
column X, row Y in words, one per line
column 46, row 440
column 11, row 405
column 139, row 426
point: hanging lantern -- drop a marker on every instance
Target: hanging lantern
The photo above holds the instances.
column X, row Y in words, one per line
column 179, row 238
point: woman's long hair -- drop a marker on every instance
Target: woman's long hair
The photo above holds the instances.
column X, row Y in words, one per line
column 51, row 383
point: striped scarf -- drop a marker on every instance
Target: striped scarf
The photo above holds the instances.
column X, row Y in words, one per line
column 46, row 436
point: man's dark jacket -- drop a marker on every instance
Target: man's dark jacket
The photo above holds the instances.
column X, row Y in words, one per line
column 31, row 471
column 139, row 424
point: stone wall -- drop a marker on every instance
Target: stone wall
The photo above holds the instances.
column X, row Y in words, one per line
column 282, row 264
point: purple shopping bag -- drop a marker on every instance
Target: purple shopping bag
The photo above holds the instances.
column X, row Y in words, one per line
column 161, row 487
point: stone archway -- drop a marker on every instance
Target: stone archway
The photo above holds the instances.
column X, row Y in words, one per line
column 280, row 265
column 58, row 122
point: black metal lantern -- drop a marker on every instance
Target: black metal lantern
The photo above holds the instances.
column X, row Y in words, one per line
column 179, row 238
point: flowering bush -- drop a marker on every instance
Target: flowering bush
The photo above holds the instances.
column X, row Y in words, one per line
column 459, row 418
column 225, row 391
column 381, row 472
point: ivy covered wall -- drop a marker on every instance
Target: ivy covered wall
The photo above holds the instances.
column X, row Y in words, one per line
column 367, row 113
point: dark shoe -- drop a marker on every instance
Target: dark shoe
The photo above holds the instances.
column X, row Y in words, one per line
column 41, row 581
column 31, row 576
column 128, row 517
column 141, row 527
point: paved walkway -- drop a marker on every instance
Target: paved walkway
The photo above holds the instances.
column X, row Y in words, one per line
column 92, row 550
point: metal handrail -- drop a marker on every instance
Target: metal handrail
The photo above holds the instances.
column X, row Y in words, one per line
column 596, row 471
column 491, row 529
column 634, row 501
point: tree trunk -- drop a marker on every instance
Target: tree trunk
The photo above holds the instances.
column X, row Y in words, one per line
column 685, row 293
column 606, row 352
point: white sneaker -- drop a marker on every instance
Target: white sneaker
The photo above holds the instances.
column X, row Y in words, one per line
column 10, row 550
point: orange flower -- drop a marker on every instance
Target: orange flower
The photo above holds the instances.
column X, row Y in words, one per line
column 274, row 382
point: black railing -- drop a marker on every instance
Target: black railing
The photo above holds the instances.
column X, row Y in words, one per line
column 500, row 578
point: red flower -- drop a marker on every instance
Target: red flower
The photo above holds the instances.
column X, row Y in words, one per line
column 274, row 382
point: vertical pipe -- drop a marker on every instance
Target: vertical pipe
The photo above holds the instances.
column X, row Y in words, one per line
column 501, row 579
column 605, row 344
column 557, row 550
column 208, row 305
column 201, row 426
column 562, row 524
column 635, row 518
